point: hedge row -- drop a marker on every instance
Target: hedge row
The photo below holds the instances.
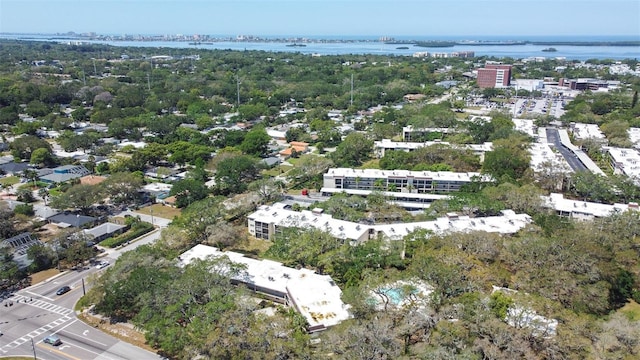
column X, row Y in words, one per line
column 137, row 230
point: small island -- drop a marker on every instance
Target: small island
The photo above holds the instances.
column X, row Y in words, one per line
column 402, row 47
column 296, row 45
column 551, row 49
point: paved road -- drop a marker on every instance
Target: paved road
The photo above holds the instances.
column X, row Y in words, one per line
column 569, row 156
column 37, row 311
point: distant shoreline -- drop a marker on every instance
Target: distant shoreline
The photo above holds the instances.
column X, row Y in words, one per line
column 202, row 39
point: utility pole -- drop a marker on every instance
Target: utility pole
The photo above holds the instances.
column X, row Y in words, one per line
column 351, row 101
column 84, row 81
column 149, row 82
column 238, row 88
column 95, row 71
column 34, row 350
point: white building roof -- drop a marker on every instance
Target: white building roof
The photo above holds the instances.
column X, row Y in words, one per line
column 584, row 208
column 408, row 146
column 135, row 144
column 587, row 131
column 526, row 126
column 277, row 214
column 626, row 161
column 157, row 186
column 315, row 296
column 509, row 222
column 542, row 153
column 634, row 136
column 386, row 174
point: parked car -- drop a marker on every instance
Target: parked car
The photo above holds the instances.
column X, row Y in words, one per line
column 63, row 290
column 102, row 265
column 53, row 340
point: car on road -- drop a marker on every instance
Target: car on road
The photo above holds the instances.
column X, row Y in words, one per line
column 102, row 265
column 63, row 290
column 53, row 340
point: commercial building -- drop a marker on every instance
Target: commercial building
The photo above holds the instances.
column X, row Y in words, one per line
column 314, row 296
column 494, row 76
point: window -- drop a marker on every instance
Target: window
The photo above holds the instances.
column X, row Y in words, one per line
column 262, row 230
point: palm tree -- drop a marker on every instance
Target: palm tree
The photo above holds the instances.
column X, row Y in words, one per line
column 44, row 194
column 32, row 175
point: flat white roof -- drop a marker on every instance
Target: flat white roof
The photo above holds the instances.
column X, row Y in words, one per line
column 587, row 131
column 402, row 145
column 385, row 174
column 559, row 203
column 315, row 296
column 626, row 160
column 526, row 126
column 634, row 136
column 278, row 215
column 507, row 223
column 542, row 153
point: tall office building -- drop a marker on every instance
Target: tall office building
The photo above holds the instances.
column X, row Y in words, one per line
column 492, row 76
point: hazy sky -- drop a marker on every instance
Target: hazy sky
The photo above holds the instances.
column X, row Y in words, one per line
column 324, row 17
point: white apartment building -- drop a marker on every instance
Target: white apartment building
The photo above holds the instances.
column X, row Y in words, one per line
column 314, row 296
column 583, row 210
column 587, row 131
column 269, row 221
column 409, row 189
column 625, row 161
column 381, row 147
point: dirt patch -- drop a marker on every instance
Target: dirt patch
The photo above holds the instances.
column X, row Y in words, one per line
column 123, row 331
column 43, row 275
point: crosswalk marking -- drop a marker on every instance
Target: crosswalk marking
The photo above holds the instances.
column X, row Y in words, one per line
column 37, row 332
column 44, row 305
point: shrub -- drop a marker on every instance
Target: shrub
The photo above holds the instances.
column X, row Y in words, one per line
column 136, row 230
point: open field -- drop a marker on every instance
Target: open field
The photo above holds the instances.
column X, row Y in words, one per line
column 9, row 180
column 159, row 210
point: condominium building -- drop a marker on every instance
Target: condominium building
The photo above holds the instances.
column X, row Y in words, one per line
column 381, row 147
column 583, row 210
column 409, row 189
column 314, row 296
column 625, row 161
column 494, row 76
column 270, row 221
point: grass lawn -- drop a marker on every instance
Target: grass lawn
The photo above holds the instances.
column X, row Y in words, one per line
column 278, row 170
column 43, row 275
column 9, row 180
column 371, row 164
column 254, row 245
column 631, row 310
column 165, row 212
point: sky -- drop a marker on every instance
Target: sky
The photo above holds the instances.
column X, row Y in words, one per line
column 422, row 18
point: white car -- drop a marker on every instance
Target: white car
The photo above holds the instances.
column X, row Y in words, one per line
column 102, row 265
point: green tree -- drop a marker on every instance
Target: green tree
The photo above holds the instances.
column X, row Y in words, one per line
column 255, row 142
column 355, row 149
column 42, row 157
column 234, row 173
column 509, row 159
column 188, row 191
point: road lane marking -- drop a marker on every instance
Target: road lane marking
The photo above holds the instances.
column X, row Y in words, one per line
column 38, row 295
column 54, row 350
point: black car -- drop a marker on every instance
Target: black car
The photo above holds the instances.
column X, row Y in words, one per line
column 63, row 290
